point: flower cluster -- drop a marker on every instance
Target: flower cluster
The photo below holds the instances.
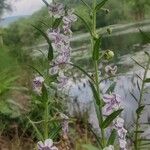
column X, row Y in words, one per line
column 112, row 103
column 119, row 126
column 37, row 84
column 46, row 145
column 61, row 38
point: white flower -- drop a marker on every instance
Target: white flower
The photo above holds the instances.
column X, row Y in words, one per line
column 46, row 145
column 122, row 133
column 119, row 123
column 122, row 143
column 110, row 147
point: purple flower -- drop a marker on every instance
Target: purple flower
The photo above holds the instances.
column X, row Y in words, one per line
column 112, row 103
column 56, row 10
column 111, row 70
column 46, row 145
column 121, row 131
column 119, row 123
column 37, row 84
column 62, row 81
column 68, row 20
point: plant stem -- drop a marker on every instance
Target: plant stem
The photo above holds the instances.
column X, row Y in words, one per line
column 97, row 71
column 46, row 118
column 139, row 105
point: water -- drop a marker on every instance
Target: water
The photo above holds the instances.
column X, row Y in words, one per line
column 127, row 43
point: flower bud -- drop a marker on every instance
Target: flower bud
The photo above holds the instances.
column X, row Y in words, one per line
column 109, row 54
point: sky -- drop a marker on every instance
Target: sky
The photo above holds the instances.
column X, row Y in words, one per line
column 24, row 7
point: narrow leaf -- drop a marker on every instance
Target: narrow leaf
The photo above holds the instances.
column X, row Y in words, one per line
column 50, row 50
column 36, row 129
column 96, row 53
column 85, row 23
column 140, row 109
column 147, row 80
column 100, row 5
column 87, row 5
column 111, row 87
column 95, row 94
column 57, row 23
column 46, row 3
column 112, row 138
column 110, row 118
column 36, row 70
column 82, row 70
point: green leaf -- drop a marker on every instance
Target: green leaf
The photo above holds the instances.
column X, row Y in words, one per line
column 96, row 53
column 46, row 3
column 56, row 23
column 85, row 23
column 87, row 5
column 147, row 80
column 44, row 93
column 111, row 87
column 100, row 5
column 95, row 94
column 89, row 147
column 36, row 70
column 82, row 70
column 140, row 109
column 50, row 49
column 39, row 134
column 112, row 138
column 110, row 118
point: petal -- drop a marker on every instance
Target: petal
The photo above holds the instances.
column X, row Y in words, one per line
column 54, row 148
column 48, row 143
column 40, row 145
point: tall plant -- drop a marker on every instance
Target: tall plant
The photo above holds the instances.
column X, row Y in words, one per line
column 58, row 37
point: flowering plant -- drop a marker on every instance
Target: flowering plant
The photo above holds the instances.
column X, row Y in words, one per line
column 108, row 107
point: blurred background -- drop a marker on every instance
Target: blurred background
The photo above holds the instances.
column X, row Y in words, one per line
column 21, row 46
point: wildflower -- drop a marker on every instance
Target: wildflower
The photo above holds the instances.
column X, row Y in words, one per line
column 111, row 70
column 37, row 84
column 46, row 145
column 112, row 103
column 121, row 131
column 56, row 10
column 119, row 123
column 62, row 81
column 110, row 147
column 68, row 20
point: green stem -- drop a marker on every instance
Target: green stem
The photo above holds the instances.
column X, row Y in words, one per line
column 97, row 72
column 139, row 105
column 46, row 119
